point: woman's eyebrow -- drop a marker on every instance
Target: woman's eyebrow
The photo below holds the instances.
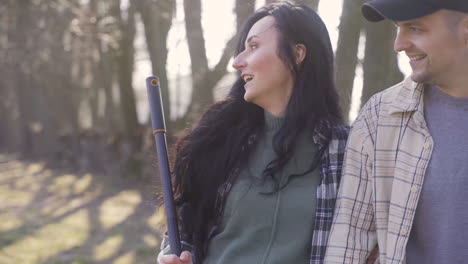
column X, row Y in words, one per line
column 250, row 38
column 257, row 35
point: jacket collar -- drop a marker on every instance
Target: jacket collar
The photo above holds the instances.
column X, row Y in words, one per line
column 408, row 98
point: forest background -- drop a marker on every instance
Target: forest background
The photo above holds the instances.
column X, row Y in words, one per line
column 78, row 173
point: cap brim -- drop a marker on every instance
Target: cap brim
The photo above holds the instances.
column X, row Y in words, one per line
column 396, row 10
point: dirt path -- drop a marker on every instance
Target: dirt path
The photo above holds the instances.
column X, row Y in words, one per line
column 52, row 216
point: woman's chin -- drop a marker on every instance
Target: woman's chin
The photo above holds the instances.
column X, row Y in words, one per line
column 248, row 97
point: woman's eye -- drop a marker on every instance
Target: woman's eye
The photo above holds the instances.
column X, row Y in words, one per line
column 253, row 46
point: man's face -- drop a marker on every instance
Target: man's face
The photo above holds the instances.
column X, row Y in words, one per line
column 436, row 48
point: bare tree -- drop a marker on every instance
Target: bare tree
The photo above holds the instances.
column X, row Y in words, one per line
column 57, row 52
column 204, row 79
column 346, row 52
column 125, row 63
column 58, row 78
column 35, row 37
column 22, row 97
column 36, row 123
column 9, row 128
column 108, row 42
column 157, row 20
column 311, row 3
column 380, row 63
column 243, row 9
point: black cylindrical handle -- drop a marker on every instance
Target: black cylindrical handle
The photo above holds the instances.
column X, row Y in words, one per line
column 159, row 132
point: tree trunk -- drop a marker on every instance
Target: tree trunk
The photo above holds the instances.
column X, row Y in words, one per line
column 107, row 59
column 9, row 129
column 34, row 91
column 380, row 63
column 22, row 95
column 243, row 9
column 198, row 59
column 157, row 20
column 57, row 82
column 311, row 3
column 346, row 52
column 204, row 79
column 92, row 62
column 125, row 63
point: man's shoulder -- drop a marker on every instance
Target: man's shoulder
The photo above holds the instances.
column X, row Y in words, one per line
column 394, row 97
column 389, row 94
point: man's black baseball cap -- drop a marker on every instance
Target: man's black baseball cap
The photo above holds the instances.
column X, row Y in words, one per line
column 404, row 10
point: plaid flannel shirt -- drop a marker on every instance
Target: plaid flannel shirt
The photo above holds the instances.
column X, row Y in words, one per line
column 327, row 191
column 387, row 154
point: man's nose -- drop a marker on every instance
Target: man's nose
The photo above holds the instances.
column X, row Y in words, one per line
column 401, row 42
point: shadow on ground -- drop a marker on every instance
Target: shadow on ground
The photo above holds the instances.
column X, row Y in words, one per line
column 54, row 217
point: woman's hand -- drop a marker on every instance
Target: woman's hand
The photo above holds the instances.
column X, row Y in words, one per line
column 185, row 258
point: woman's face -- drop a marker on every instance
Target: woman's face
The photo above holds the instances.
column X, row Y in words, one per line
column 268, row 80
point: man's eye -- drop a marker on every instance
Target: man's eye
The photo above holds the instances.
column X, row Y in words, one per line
column 414, row 29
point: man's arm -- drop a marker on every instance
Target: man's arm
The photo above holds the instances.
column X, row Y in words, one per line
column 353, row 235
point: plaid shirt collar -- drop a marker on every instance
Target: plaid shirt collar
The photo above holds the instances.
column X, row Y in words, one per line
column 408, row 99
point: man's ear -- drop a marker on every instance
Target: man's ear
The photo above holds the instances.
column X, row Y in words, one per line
column 300, row 51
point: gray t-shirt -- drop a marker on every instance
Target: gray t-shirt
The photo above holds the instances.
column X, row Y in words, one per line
column 440, row 228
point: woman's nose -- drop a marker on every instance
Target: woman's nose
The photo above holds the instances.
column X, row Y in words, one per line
column 239, row 62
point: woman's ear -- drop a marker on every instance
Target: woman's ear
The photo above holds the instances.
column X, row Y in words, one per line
column 300, row 51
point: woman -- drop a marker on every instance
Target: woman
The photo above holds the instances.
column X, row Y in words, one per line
column 256, row 179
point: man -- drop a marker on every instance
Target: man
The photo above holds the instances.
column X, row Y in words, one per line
column 405, row 179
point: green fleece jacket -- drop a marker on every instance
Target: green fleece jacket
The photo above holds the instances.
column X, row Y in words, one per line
column 269, row 228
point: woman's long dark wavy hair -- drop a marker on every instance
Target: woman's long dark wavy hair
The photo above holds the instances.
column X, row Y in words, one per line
column 209, row 154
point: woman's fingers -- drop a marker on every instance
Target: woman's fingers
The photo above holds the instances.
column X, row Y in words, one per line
column 185, row 258
column 170, row 259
